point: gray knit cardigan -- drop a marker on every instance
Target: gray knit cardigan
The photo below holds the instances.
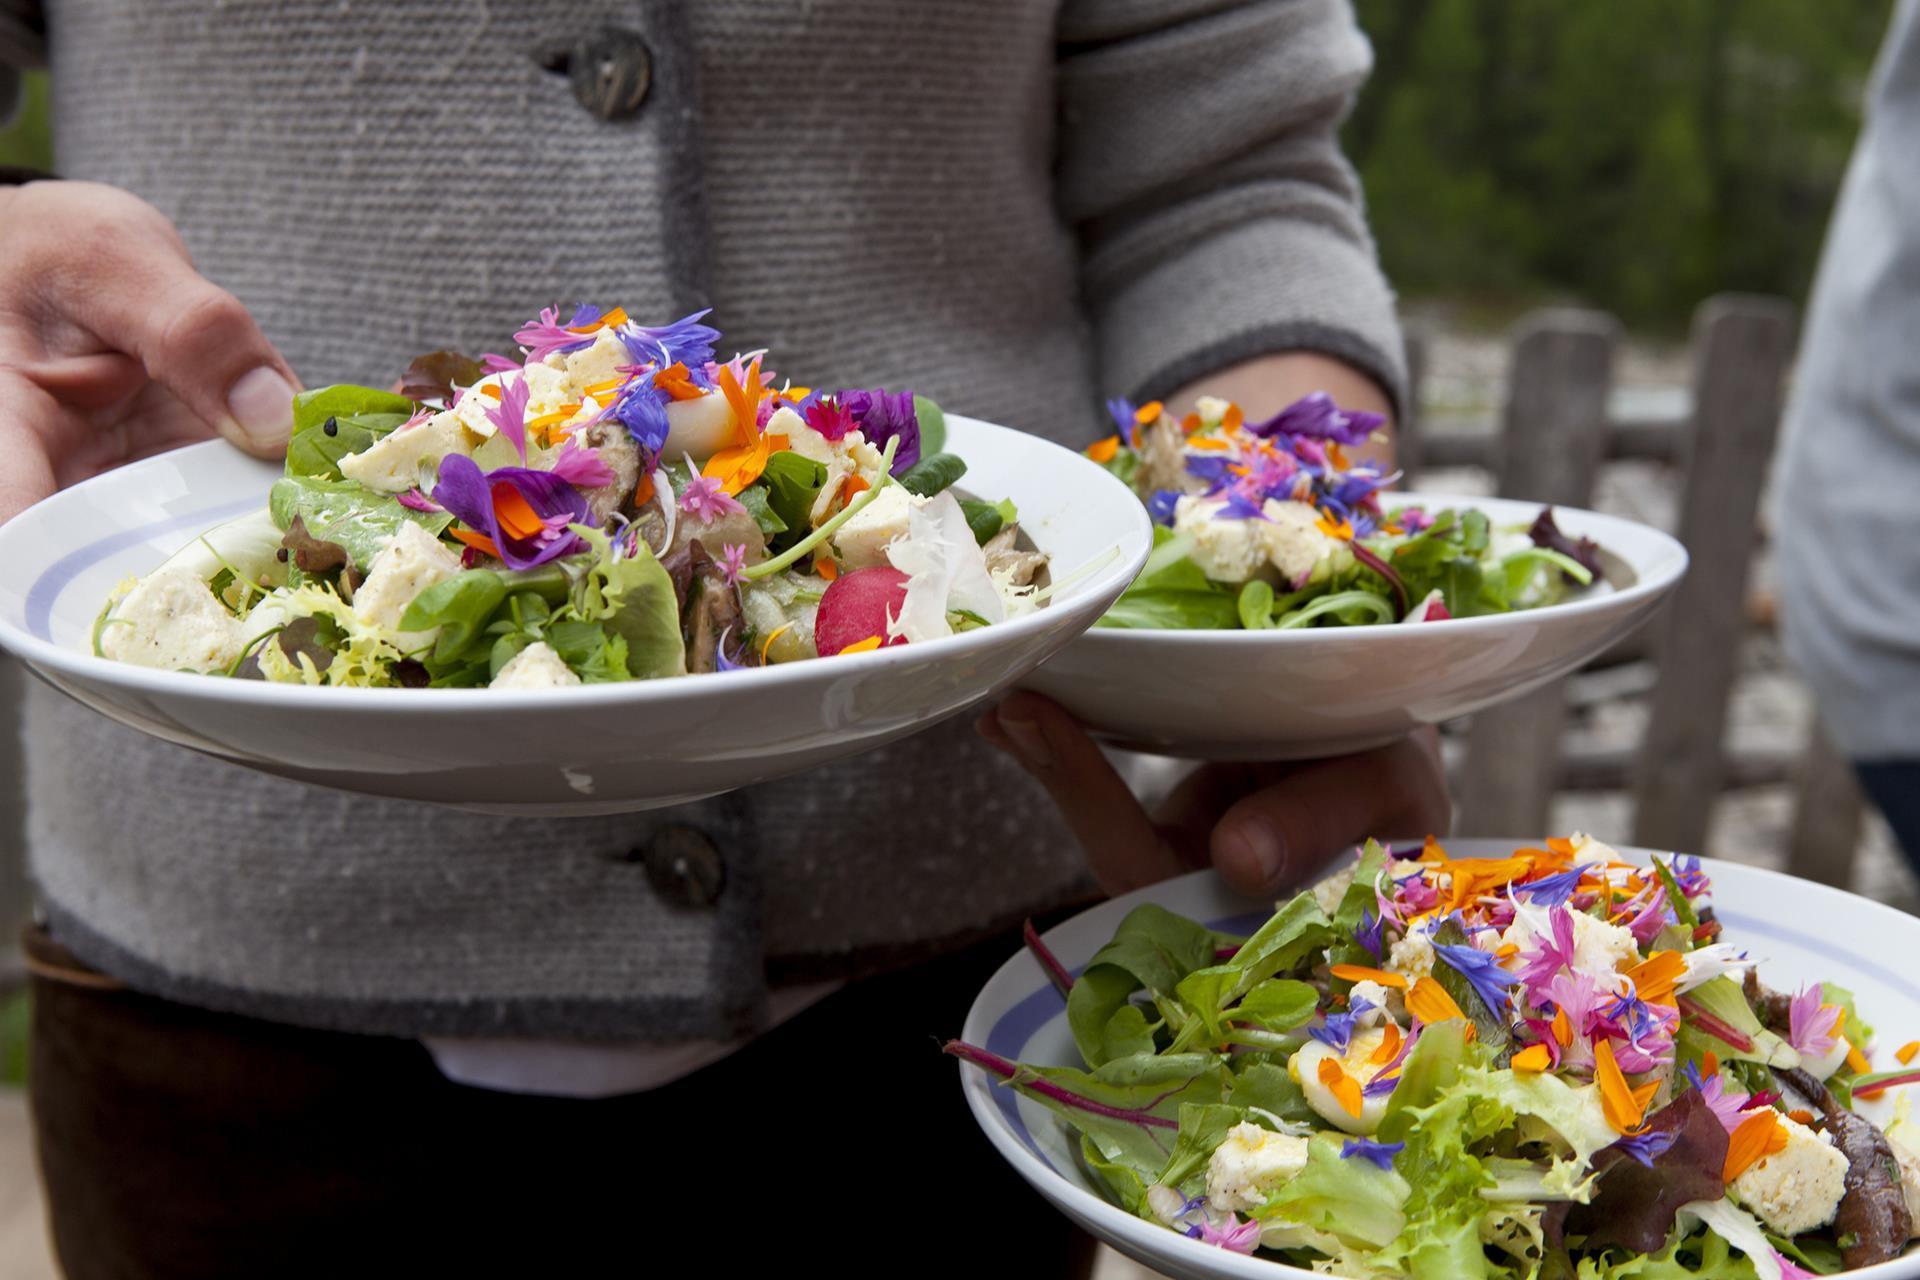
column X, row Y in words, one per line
column 1014, row 206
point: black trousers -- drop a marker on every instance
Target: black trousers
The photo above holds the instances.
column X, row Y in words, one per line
column 177, row 1142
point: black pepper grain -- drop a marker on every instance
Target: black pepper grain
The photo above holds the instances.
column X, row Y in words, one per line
column 331, row 426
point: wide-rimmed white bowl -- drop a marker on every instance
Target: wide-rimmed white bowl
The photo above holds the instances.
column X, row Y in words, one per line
column 591, row 749
column 1293, row 695
column 1800, row 932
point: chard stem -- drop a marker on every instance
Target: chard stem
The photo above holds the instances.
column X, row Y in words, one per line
column 1011, row 1072
column 1056, row 972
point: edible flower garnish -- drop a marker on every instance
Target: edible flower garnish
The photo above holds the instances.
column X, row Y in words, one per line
column 543, row 337
column 706, row 499
column 516, row 513
column 1813, row 1027
column 1336, row 1030
column 1758, row 1134
column 883, row 416
column 1490, row 981
column 1429, row 1002
column 1380, row 1153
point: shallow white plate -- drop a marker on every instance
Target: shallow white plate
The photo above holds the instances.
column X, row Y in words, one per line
column 593, row 749
column 1800, row 932
column 1293, row 695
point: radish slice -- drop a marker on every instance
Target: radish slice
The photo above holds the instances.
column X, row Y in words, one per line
column 856, row 607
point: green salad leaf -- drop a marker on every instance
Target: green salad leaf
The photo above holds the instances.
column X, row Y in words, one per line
column 359, row 417
column 1172, row 592
column 933, row 425
column 932, row 474
column 1355, row 1200
column 350, row 514
column 793, row 486
column 1153, row 949
column 987, row 518
column 633, row 598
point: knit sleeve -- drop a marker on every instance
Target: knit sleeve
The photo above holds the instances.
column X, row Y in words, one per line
column 1199, row 165
column 23, row 34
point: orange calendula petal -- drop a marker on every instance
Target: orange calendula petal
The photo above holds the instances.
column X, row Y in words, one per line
column 1562, row 1029
column 1346, row 1090
column 1654, row 978
column 1506, row 951
column 1560, row 845
column 1362, row 973
column 1429, row 1002
column 1624, row 1111
column 491, row 391
column 1800, row 1114
column 1148, row 412
column 1906, row 1052
column 517, row 517
column 1336, row 455
column 1389, row 1046
column 1534, row 1058
column 1213, row 443
column 1234, row 418
column 827, row 568
column 1190, row 423
column 1343, row 530
column 863, row 646
column 478, row 541
column 1709, row 1064
column 1857, row 1060
column 1104, row 450
column 1752, row 1138
column 608, row 320
column 643, row 491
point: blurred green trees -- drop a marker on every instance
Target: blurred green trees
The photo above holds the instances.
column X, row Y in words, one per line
column 1637, row 154
column 27, row 139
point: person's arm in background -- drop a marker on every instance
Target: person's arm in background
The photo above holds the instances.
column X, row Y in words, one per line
column 1225, row 252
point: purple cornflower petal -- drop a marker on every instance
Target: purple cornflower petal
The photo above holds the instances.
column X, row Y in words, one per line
column 686, row 341
column 1211, row 467
column 472, row 496
column 414, row 500
column 707, row 499
column 720, row 660
column 1380, row 1085
column 1161, row 506
column 1121, row 410
column 1241, row 506
column 1648, row 1146
column 1687, row 873
column 1489, row 980
column 1336, row 1029
column 881, row 416
column 1813, row 1028
column 1553, row 890
column 1317, row 417
column 641, row 408
column 733, row 562
column 1368, row 932
column 544, row 336
column 1381, row 1153
column 509, row 416
column 582, row 467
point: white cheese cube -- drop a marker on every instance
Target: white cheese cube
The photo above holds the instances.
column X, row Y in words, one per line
column 601, row 362
column 1250, row 1166
column 535, row 667
column 1227, row 550
column 1292, row 539
column 862, row 541
column 1798, row 1188
column 801, row 438
column 172, row 621
column 403, row 460
column 474, row 404
column 411, row 561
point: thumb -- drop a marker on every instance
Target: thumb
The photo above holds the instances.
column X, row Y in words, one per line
column 138, row 293
column 1280, row 835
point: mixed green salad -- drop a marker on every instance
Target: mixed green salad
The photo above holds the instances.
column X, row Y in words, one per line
column 1544, row 1065
column 612, row 504
column 1271, row 525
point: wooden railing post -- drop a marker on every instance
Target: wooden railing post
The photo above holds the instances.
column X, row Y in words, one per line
column 1742, row 345
column 1828, row 813
column 1408, row 432
column 1551, row 438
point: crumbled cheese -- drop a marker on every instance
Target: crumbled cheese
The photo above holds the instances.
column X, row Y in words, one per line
column 1292, row 539
column 595, row 364
column 1798, row 1188
column 172, row 621
column 1226, row 550
column 411, row 561
column 1329, row 891
column 402, row 460
column 862, row 541
column 1411, row 956
column 535, row 667
column 1250, row 1165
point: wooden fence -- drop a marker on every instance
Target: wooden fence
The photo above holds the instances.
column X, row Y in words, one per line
column 1554, row 435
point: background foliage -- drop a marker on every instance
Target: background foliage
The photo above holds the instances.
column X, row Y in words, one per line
column 1634, row 154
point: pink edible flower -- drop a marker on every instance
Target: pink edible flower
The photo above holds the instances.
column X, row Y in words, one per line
column 830, row 418
column 414, row 500
column 581, row 467
column 1580, row 998
column 544, row 336
column 509, row 417
column 1241, row 1237
column 491, row 363
column 707, row 499
column 1790, row 1270
column 1725, row 1104
column 733, row 561
column 1813, row 1028
column 1549, row 956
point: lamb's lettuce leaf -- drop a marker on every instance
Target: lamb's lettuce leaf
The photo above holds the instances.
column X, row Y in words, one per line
column 360, row 416
column 350, row 514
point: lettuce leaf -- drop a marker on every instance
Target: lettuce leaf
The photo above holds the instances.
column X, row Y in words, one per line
column 1722, row 998
column 360, row 416
column 633, row 598
column 1172, row 593
column 1355, row 1200
column 1152, row 949
column 1634, row 1205
column 347, row 513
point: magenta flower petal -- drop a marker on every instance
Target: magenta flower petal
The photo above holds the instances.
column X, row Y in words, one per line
column 469, row 494
column 582, row 467
column 706, row 498
column 544, row 336
column 1813, row 1028
column 509, row 417
column 414, row 500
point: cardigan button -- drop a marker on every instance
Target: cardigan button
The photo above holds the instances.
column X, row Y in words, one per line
column 610, row 70
column 684, row 867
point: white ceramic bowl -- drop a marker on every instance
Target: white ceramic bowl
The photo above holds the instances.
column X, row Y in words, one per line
column 593, row 749
column 1293, row 695
column 1800, row 932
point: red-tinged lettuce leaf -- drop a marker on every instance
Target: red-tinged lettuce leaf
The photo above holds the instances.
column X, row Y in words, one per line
column 1583, row 551
column 434, row 376
column 1634, row 1205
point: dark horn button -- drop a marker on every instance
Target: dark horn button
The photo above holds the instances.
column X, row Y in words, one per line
column 684, row 867
column 610, row 71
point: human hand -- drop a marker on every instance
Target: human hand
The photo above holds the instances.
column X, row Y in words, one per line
column 113, row 347
column 1264, row 827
